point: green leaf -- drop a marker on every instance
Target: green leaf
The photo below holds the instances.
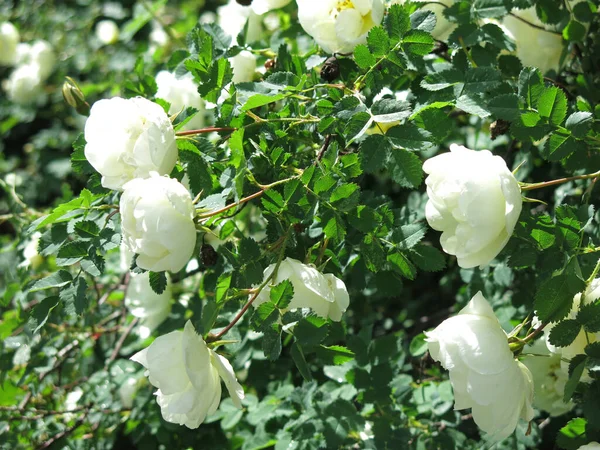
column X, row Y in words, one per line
column 590, row 405
column 74, row 297
column 372, row 253
column 87, row 229
column 564, row 333
column 423, row 20
column 442, row 80
column 357, row 126
column 505, row 107
column 378, row 42
column 554, row 296
column 559, row 146
column 405, row 168
column 39, row 314
column 410, row 137
column 579, row 123
column 158, row 282
column 407, row 236
column 552, row 104
column 593, row 350
column 335, row 229
column 311, row 331
column 223, row 284
column 574, row 31
column 531, row 85
column 483, row 9
column 265, row 315
column 572, row 435
column 363, row 57
column 388, row 110
column 543, row 231
column 57, row 279
column 258, row 100
column 417, row 42
column 427, row 258
column 334, row 354
column 401, row 264
column 418, row 346
column 197, row 169
column 589, row 317
column 345, row 197
column 72, row 252
column 271, row 342
column 300, row 361
column 397, row 22
column 576, row 367
column 281, row 294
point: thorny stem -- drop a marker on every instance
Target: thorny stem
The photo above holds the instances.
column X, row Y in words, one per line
column 543, row 184
column 204, row 130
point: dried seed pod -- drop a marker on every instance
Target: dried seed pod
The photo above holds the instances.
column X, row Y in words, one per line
column 330, row 69
column 208, row 255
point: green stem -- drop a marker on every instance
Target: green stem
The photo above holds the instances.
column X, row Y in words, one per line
column 593, row 275
column 543, row 184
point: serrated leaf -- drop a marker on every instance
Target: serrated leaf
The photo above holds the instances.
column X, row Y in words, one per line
column 258, row 100
column 531, row 85
column 417, row 42
column 335, row 354
column 265, row 315
column 87, row 229
column 378, row 42
column 158, row 282
column 372, row 253
column 427, row 258
column 589, row 317
column 401, row 264
column 579, row 123
column 335, row 228
column 552, row 104
column 576, row 368
column 554, row 296
column 223, row 283
column 72, row 252
column 397, row 22
column 405, row 168
column 564, row 333
column 74, row 297
column 57, row 279
column 407, row 236
column 281, row 294
column 271, row 342
column 300, row 361
column 39, row 314
column 363, row 57
column 505, row 106
column 593, row 350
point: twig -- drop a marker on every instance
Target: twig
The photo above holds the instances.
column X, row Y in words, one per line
column 63, row 433
column 122, row 284
column 324, row 148
column 121, row 341
column 529, row 187
column 204, row 130
column 61, row 356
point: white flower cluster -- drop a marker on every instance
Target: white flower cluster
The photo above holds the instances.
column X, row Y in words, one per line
column 181, row 93
column 551, row 369
column 33, row 65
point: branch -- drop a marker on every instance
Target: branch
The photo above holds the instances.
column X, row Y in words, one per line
column 121, row 341
column 204, row 130
column 63, row 433
column 543, row 184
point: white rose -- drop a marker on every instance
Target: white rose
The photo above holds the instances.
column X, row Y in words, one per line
column 186, row 373
column 181, row 93
column 9, row 39
column 128, row 139
column 127, row 392
column 107, row 32
column 24, row 85
column 32, row 258
column 549, row 379
column 483, row 371
column 443, row 27
column 147, row 305
column 590, row 446
column 474, row 200
column 232, row 18
column 244, row 66
column 325, row 294
column 577, row 347
column 263, row 6
column 157, row 217
column 339, row 25
column 158, row 36
column 535, row 47
column 39, row 53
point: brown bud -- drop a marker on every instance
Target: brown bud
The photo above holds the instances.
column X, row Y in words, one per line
column 270, row 63
column 498, row 128
column 74, row 97
column 330, row 69
column 208, row 255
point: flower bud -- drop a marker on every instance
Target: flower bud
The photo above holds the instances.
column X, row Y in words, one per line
column 107, row 32
column 74, row 97
column 331, row 69
column 9, row 39
column 244, row 66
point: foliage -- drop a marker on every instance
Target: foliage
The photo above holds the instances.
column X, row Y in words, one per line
column 306, row 168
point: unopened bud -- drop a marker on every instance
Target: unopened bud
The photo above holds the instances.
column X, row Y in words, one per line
column 331, row 69
column 74, row 97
